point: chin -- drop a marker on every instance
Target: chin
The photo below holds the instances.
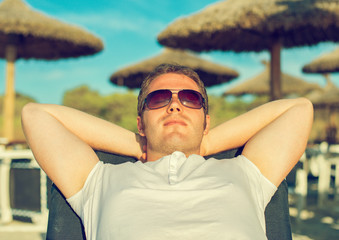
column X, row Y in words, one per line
column 175, row 139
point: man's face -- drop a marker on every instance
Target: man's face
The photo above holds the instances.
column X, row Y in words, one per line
column 173, row 127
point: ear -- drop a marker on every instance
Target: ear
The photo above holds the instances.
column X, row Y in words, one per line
column 207, row 124
column 140, row 126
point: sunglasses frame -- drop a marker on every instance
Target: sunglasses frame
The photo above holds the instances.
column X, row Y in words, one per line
column 174, row 91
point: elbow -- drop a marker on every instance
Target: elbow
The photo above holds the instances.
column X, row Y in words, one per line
column 308, row 107
column 306, row 113
column 27, row 109
column 28, row 112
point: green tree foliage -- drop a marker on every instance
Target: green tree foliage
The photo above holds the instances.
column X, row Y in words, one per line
column 221, row 110
column 85, row 99
column 117, row 108
column 122, row 110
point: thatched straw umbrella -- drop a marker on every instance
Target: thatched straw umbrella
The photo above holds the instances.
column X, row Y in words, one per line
column 326, row 63
column 328, row 99
column 326, row 104
column 260, row 85
column 26, row 33
column 245, row 25
column 210, row 73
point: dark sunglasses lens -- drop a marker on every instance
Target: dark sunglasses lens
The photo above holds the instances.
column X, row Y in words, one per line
column 158, row 99
column 190, row 98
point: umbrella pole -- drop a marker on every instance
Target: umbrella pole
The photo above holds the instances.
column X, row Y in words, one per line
column 327, row 77
column 9, row 99
column 275, row 72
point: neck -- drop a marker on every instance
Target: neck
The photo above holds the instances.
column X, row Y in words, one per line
column 154, row 155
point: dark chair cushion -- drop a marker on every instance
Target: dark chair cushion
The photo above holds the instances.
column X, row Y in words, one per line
column 64, row 224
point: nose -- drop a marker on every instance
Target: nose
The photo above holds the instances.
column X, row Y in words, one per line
column 175, row 105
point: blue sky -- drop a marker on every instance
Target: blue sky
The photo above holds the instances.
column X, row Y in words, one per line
column 129, row 29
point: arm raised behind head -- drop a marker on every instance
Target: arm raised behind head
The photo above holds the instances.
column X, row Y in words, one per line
column 274, row 136
column 62, row 140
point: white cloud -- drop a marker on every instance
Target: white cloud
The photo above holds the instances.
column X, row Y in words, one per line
column 53, row 75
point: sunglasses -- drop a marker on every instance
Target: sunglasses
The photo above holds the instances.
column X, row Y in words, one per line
column 187, row 97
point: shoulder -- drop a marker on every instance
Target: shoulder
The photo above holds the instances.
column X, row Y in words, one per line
column 240, row 167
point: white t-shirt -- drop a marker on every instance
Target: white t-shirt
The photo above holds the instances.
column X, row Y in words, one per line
column 175, row 198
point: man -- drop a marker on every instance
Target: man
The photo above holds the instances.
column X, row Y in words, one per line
column 173, row 193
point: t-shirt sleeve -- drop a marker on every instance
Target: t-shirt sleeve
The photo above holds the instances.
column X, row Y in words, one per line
column 265, row 188
column 78, row 200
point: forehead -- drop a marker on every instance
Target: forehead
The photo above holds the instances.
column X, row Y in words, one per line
column 173, row 81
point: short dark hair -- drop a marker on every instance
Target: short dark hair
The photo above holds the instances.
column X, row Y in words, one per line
column 170, row 68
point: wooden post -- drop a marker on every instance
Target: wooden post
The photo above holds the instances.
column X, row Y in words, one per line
column 275, row 73
column 9, row 99
column 6, row 212
column 327, row 78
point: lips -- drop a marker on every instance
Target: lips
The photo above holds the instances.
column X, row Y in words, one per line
column 174, row 122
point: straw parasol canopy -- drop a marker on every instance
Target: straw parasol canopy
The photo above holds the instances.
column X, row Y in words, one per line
column 244, row 25
column 327, row 63
column 328, row 98
column 328, row 101
column 210, row 73
column 26, row 33
column 260, row 85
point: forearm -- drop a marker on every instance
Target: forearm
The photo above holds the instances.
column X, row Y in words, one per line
column 97, row 133
column 236, row 132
